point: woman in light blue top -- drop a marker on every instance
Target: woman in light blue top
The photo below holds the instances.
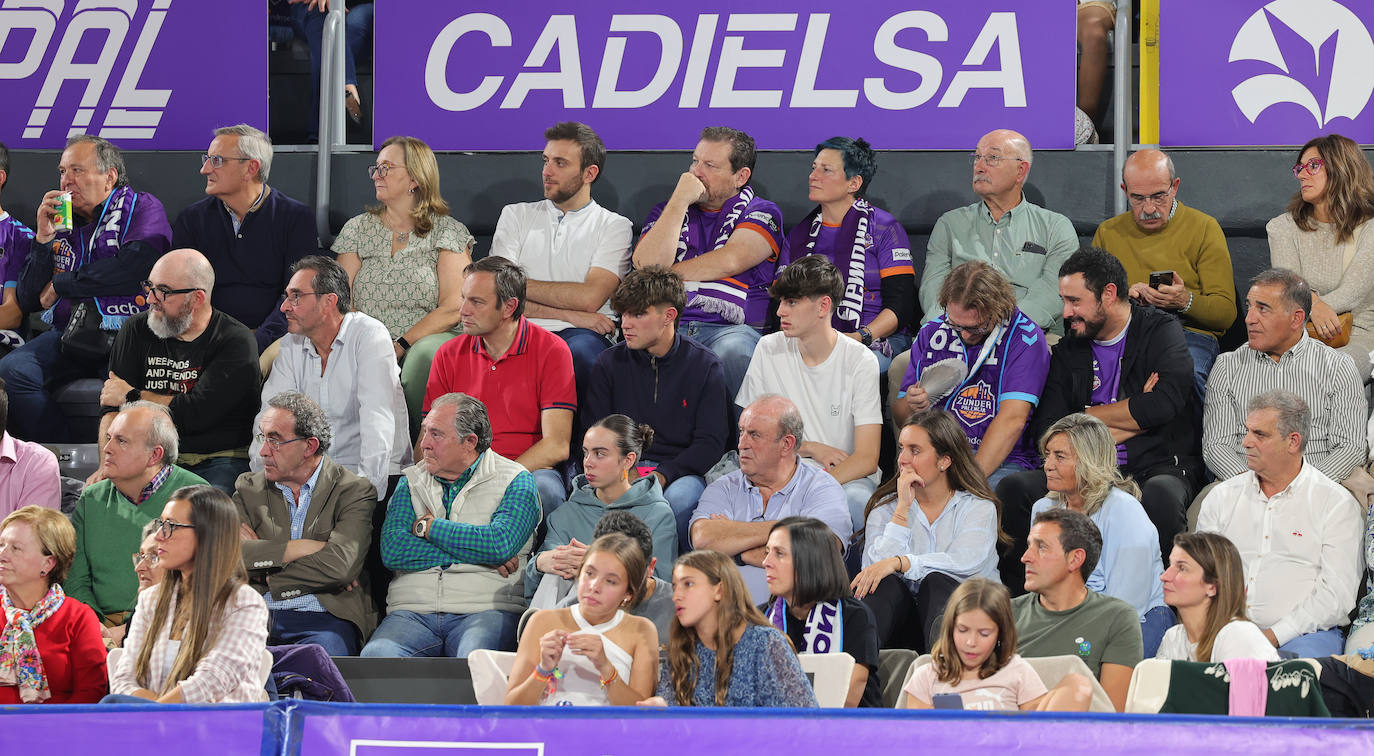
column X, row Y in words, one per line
column 928, row 529
column 1081, row 473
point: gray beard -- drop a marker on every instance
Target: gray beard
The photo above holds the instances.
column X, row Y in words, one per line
column 168, row 328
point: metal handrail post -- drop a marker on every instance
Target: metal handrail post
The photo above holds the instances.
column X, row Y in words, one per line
column 331, row 114
column 1122, row 116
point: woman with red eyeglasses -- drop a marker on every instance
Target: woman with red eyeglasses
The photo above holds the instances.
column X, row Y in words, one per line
column 1325, row 237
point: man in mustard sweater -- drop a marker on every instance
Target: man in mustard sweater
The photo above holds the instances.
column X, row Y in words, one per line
column 1160, row 234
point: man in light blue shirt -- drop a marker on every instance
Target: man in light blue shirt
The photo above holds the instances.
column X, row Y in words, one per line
column 736, row 512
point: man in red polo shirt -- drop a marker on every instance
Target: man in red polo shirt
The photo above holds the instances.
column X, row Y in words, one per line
column 521, row 372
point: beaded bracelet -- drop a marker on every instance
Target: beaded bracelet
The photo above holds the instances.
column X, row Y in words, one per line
column 548, row 678
column 614, row 674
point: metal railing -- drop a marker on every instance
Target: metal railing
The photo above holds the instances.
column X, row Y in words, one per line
column 331, row 131
column 1122, row 116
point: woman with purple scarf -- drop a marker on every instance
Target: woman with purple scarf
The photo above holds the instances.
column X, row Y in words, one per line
column 811, row 602
column 866, row 243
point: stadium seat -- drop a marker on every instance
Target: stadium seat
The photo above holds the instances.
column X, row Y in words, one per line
column 829, row 676
column 1051, row 669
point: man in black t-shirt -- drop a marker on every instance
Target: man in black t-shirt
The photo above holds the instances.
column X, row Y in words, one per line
column 200, row 362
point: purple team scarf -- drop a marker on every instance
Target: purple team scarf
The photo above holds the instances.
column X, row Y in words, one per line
column 107, row 235
column 721, row 297
column 824, row 632
column 856, row 225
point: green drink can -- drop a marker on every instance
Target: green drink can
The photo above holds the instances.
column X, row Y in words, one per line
column 63, row 221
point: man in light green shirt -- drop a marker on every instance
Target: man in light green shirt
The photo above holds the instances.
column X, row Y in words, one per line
column 1027, row 243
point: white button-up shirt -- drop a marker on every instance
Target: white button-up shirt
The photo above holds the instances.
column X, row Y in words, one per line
column 359, row 389
column 1300, row 549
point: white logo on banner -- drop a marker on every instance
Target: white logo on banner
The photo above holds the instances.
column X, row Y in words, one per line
column 1316, row 22
column 107, row 19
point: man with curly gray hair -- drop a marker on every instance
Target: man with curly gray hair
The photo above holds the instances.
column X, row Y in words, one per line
column 310, row 570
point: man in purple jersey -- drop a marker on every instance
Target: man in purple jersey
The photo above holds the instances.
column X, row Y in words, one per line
column 14, row 250
column 1007, row 361
column 725, row 242
column 100, row 263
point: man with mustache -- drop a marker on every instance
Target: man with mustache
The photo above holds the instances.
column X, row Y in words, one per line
column 1161, row 234
column 196, row 360
column 1023, row 241
column 1127, row 364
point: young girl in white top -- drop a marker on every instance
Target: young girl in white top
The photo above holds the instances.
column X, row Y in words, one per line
column 593, row 653
column 1205, row 583
column 975, row 657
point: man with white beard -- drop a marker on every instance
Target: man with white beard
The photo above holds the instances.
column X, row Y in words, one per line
column 199, row 362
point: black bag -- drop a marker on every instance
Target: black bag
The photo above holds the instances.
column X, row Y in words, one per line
column 84, row 339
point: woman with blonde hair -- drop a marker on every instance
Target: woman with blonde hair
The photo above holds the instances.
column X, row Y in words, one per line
column 405, row 258
column 199, row 635
column 51, row 649
column 593, row 653
column 1081, row 473
column 1325, row 237
column 722, row 651
column 1205, row 583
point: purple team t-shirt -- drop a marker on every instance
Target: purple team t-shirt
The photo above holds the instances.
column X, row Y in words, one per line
column 1014, row 367
column 887, row 252
column 1107, row 377
column 15, row 240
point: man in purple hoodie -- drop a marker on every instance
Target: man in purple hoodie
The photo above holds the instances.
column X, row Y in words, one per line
column 667, row 381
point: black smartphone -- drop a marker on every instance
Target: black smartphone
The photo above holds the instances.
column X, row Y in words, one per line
column 947, row 701
column 1160, row 278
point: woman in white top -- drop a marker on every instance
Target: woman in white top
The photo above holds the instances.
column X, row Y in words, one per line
column 593, row 653
column 1206, row 584
column 199, row 635
column 926, row 530
column 1081, row 474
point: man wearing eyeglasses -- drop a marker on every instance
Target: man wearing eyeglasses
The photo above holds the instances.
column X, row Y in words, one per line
column 199, row 362
column 250, row 232
column 1175, row 257
column 1023, row 241
column 138, row 477
column 116, row 236
column 307, row 527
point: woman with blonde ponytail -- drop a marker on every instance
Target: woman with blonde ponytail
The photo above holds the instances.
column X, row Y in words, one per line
column 199, row 635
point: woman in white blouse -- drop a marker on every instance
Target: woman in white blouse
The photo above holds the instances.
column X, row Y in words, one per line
column 926, row 530
column 199, row 635
column 1205, row 583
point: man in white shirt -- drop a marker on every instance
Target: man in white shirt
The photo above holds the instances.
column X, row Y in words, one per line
column 573, row 250
column 344, row 362
column 1298, row 531
column 832, row 379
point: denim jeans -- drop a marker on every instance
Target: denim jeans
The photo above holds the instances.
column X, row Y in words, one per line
column 682, row 495
column 858, row 492
column 406, row 633
column 552, row 490
column 220, row 472
column 309, row 25
column 1204, row 349
column 338, row 637
column 31, row 374
column 1152, row 628
column 733, row 344
column 1315, row 645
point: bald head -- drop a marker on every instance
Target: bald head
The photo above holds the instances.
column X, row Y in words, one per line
column 1000, row 167
column 183, row 269
column 1011, row 143
column 1150, row 183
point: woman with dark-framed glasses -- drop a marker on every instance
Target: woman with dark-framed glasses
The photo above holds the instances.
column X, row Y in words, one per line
column 51, row 650
column 199, row 635
column 1325, row 236
column 405, row 258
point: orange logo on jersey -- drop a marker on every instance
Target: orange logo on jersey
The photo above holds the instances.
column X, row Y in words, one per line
column 974, row 404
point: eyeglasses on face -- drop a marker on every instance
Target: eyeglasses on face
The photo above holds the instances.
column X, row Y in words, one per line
column 277, row 443
column 217, row 161
column 166, row 528
column 991, row 161
column 293, row 298
column 380, row 170
column 978, row 330
column 140, row 558
column 1157, row 198
column 161, row 292
column 1313, row 167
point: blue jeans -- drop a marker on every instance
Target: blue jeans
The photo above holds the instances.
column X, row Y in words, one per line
column 1204, row 348
column 586, row 345
column 552, row 490
column 1152, row 628
column 337, row 637
column 120, row 698
column 683, row 495
column 31, row 374
column 309, row 25
column 406, row 633
column 897, row 343
column 1002, row 471
column 221, row 472
column 858, row 492
column 1315, row 645
column 733, row 344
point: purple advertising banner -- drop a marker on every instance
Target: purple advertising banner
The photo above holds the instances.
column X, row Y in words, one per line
column 146, row 74
column 1251, row 72
column 140, row 729
column 470, row 731
column 911, row 74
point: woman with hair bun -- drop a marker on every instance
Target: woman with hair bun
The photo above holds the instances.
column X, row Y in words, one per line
column 611, row 481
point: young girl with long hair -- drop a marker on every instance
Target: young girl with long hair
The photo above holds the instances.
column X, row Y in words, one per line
column 593, row 653
column 722, row 651
column 199, row 635
column 975, row 657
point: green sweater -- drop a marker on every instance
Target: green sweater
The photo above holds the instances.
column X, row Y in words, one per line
column 109, row 529
column 1192, row 245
